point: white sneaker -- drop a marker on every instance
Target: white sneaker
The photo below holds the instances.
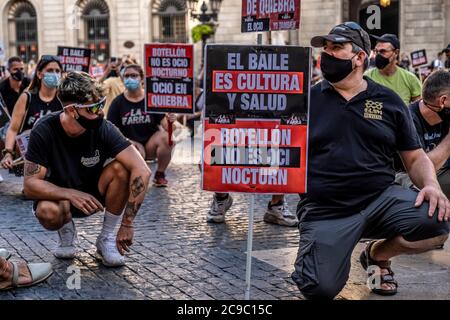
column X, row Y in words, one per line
column 218, row 209
column 280, row 214
column 66, row 248
column 108, row 253
column 1, row 178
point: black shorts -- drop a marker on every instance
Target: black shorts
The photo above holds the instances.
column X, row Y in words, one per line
column 77, row 213
column 323, row 262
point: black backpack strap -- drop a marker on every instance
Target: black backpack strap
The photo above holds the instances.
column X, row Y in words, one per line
column 27, row 107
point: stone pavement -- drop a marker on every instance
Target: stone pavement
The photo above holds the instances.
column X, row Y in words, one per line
column 177, row 255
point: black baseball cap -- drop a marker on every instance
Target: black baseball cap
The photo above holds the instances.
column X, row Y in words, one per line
column 447, row 49
column 388, row 37
column 345, row 32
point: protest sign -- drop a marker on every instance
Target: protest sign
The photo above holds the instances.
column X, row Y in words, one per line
column 169, row 78
column 270, row 15
column 419, row 58
column 74, row 59
column 255, row 126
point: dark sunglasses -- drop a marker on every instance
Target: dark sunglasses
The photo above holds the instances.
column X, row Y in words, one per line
column 382, row 51
column 93, row 108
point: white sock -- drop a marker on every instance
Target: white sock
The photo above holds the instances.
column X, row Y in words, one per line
column 110, row 222
column 69, row 225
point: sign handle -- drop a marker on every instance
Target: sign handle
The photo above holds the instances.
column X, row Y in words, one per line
column 248, row 269
column 169, row 132
column 259, row 39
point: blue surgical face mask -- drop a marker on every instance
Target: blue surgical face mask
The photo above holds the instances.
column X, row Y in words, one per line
column 51, row 79
column 132, row 84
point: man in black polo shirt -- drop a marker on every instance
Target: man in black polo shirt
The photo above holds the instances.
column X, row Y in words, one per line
column 431, row 117
column 15, row 84
column 355, row 128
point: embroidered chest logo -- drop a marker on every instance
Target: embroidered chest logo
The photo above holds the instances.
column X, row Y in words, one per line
column 92, row 161
column 373, row 110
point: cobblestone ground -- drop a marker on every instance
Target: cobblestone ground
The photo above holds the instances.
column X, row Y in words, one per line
column 177, row 255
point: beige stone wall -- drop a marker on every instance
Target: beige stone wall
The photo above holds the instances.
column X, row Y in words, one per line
column 318, row 17
column 128, row 21
column 424, row 24
column 229, row 29
column 52, row 25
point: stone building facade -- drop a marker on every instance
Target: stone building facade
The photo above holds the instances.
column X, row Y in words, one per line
column 117, row 27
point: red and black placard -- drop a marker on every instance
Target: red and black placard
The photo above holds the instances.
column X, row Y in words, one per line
column 74, row 59
column 270, row 15
column 419, row 58
column 255, row 126
column 169, row 78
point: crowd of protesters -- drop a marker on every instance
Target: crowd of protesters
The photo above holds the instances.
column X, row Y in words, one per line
column 89, row 137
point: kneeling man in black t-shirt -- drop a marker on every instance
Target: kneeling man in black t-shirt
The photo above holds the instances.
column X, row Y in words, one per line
column 78, row 164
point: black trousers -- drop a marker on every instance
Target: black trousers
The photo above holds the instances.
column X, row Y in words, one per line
column 322, row 266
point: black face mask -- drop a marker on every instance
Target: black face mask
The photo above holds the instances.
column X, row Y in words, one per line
column 90, row 124
column 381, row 62
column 18, row 75
column 444, row 114
column 335, row 69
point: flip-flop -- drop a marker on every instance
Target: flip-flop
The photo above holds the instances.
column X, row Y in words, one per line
column 39, row 273
column 5, row 254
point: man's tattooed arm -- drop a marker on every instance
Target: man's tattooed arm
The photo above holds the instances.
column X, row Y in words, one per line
column 137, row 194
column 131, row 211
column 137, row 187
column 31, row 169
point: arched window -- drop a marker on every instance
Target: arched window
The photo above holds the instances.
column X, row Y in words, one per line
column 169, row 21
column 94, row 32
column 23, row 36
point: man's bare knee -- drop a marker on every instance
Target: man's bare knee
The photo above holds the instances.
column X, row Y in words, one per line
column 120, row 172
column 163, row 141
column 50, row 215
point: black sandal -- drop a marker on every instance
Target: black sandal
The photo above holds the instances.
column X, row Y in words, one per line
column 388, row 278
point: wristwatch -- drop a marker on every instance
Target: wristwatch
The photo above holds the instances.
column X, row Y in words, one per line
column 6, row 151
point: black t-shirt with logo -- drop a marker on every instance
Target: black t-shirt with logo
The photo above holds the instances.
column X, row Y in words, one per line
column 132, row 119
column 37, row 109
column 429, row 136
column 9, row 95
column 351, row 148
column 73, row 162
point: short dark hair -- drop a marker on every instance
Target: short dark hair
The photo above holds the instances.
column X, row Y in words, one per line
column 357, row 49
column 12, row 60
column 79, row 87
column 436, row 85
